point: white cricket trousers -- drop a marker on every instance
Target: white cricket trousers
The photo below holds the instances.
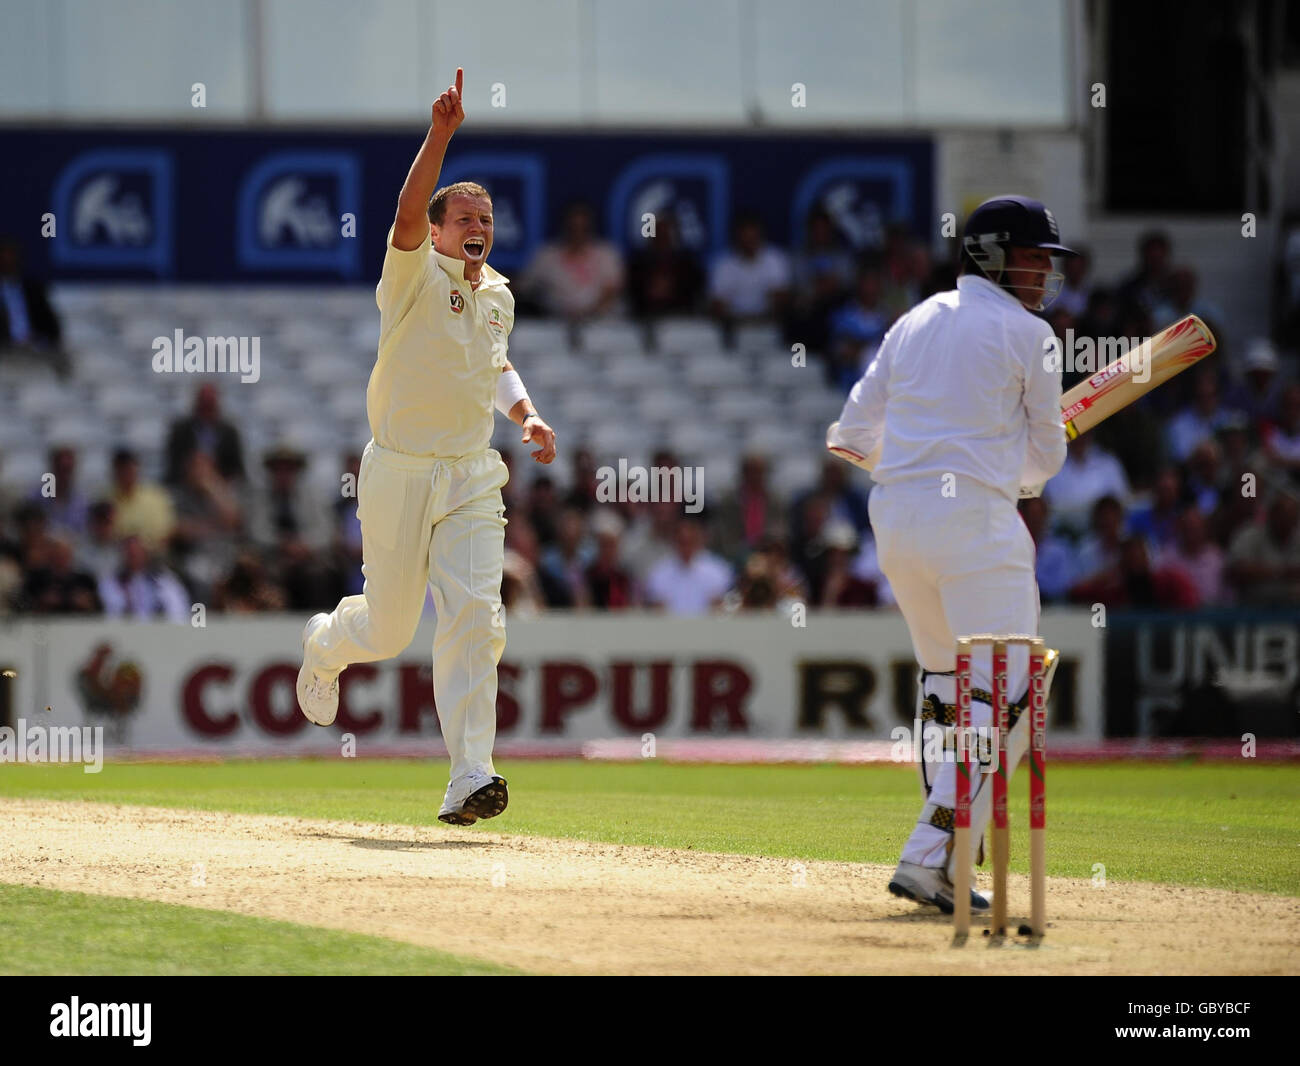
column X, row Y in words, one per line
column 440, row 521
column 958, row 564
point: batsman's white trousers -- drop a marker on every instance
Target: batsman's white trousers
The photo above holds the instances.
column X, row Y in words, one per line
column 958, row 564
column 439, row 521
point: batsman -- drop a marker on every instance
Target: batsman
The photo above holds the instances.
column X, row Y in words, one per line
column 429, row 489
column 956, row 418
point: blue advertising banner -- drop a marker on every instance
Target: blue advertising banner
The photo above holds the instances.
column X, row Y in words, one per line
column 1213, row 673
column 278, row 206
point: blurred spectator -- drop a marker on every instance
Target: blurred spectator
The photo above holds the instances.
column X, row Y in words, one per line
column 841, row 586
column 521, row 595
column 1098, row 318
column 1157, row 521
column 856, row 331
column 578, row 276
column 755, row 590
column 901, row 290
column 1146, row 286
column 1288, row 284
column 66, row 507
column 582, row 493
column 787, row 583
column 347, row 532
column 209, row 521
column 35, row 545
column 288, row 519
column 943, row 278
column 1257, row 394
column 866, row 567
column 543, row 509
column 141, row 587
column 1054, row 556
column 564, row 564
column 1076, row 290
column 1197, row 556
column 1282, row 437
column 845, row 499
column 752, row 281
column 28, row 323
column 247, row 589
column 1089, row 474
column 1264, row 560
column 1206, row 476
column 141, row 508
column 1100, row 549
column 1133, row 582
column 664, row 277
column 204, row 430
column 1180, row 300
column 611, row 586
column 1234, row 444
column 100, row 549
column 690, row 580
column 746, row 516
column 650, row 535
column 1201, row 420
column 58, row 587
column 822, row 274
column 11, row 578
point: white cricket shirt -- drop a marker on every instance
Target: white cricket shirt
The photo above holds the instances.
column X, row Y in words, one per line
column 441, row 349
column 959, row 386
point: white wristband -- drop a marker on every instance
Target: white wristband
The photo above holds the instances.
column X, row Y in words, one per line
column 510, row 390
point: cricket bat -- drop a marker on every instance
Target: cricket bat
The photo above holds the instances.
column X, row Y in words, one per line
column 1111, row 389
column 1133, row 375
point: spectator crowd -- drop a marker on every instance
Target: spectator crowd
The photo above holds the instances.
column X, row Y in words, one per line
column 1187, row 499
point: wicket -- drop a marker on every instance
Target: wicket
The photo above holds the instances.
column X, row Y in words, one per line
column 1037, row 752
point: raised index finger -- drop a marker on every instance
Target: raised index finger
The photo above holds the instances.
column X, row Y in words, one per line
column 460, row 80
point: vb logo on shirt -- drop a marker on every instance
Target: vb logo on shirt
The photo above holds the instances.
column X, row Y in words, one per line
column 457, row 302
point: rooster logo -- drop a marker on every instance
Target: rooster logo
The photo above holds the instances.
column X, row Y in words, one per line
column 109, row 688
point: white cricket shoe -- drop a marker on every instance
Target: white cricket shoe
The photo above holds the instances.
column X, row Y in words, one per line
column 477, row 794
column 318, row 696
column 930, row 884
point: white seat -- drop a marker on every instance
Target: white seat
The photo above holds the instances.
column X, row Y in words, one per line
column 126, row 400
column 612, row 338
column 363, row 333
column 793, row 473
column 713, row 371
column 638, row 372
column 278, row 404
column 694, row 443
column 759, row 339
column 330, row 369
column 21, row 470
column 688, row 336
column 667, row 405
column 780, row 440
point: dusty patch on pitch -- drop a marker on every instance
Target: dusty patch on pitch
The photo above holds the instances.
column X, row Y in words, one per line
column 568, row 906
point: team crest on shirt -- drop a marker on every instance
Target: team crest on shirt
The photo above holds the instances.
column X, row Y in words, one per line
column 494, row 320
column 457, row 302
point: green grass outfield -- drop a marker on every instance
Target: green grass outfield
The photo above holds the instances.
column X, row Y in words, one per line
column 1219, row 825
column 47, row 932
column 1215, row 824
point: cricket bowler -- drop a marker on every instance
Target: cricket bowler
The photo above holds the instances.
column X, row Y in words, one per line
column 956, row 418
column 429, row 489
